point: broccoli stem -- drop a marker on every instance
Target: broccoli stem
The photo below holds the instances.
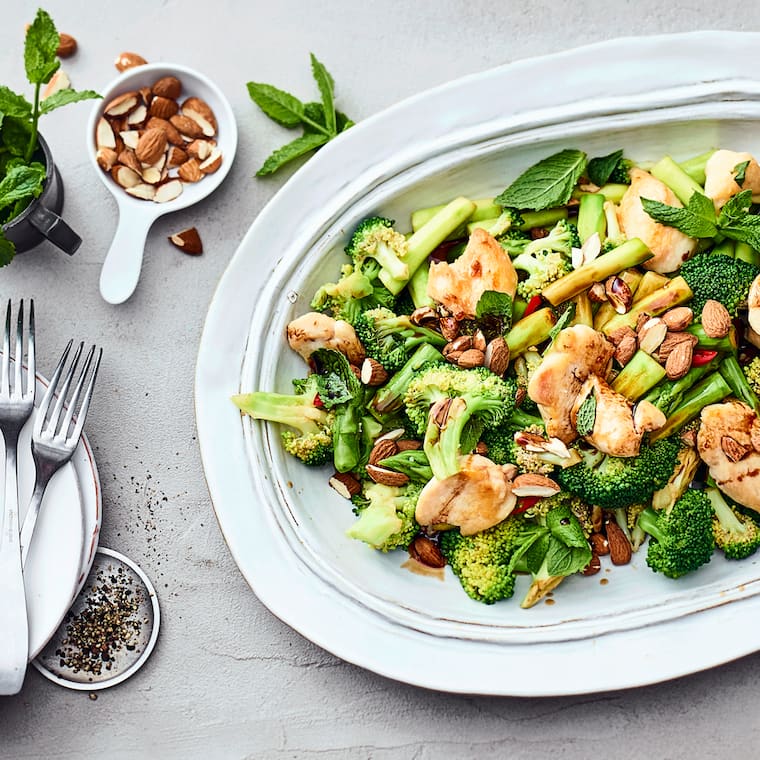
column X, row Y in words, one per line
column 613, row 226
column 296, row 411
column 418, row 287
column 727, row 343
column 521, row 420
column 725, row 247
column 640, row 375
column 531, row 219
column 671, row 174
column 427, row 238
column 675, row 292
column 695, row 167
column 726, row 516
column 530, row 331
column 630, row 254
column 610, row 192
column 667, row 396
column 346, row 448
column 389, row 397
column 745, row 252
column 649, row 522
column 591, row 217
column 441, row 445
column 711, row 390
column 732, row 373
column 485, row 208
column 584, row 314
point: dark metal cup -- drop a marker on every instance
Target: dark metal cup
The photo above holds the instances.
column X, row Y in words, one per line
column 40, row 220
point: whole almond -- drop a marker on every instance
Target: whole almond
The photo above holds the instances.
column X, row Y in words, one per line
column 67, row 46
column 167, row 87
column 453, row 356
column 449, row 328
column 126, row 61
column 462, row 343
column 619, row 294
column 163, row 108
column 345, row 484
column 594, row 566
column 382, row 450
column 426, row 552
column 172, row 133
column 190, row 171
column 672, row 339
column 620, row 546
column 626, row 349
column 151, row 146
column 471, row 358
column 597, row 293
column 734, row 450
column 716, row 320
column 497, row 356
column 408, row 444
column 599, row 544
column 386, row 477
column 679, row 361
column 186, row 127
column 678, row 319
column 616, row 336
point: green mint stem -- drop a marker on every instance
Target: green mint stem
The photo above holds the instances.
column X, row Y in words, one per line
column 35, row 118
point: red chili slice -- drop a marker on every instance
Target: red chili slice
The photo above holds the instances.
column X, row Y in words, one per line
column 525, row 503
column 702, row 356
column 533, row 305
column 318, row 401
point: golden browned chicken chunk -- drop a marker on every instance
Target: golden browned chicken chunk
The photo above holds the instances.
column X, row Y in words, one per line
column 720, row 175
column 476, row 498
column 484, row 265
column 728, row 442
column 619, row 426
column 753, row 305
column 669, row 246
column 311, row 331
column 578, row 353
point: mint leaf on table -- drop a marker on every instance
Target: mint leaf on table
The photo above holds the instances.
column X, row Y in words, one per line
column 316, row 112
column 41, row 43
column 21, row 182
column 64, row 97
column 278, row 105
column 548, row 183
column 326, row 86
column 740, row 173
column 299, row 147
column 600, row 169
column 697, row 220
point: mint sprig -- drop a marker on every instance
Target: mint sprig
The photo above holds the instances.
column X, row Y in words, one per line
column 321, row 122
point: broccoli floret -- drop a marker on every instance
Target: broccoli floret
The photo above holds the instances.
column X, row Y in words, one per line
column 356, row 291
column 580, row 510
column 681, row 539
column 617, row 482
column 391, row 339
column 515, row 243
column 375, row 238
column 481, row 562
column 737, row 534
column 386, row 519
column 509, row 220
column 524, row 366
column 547, row 259
column 313, row 443
column 636, row 534
column 621, row 174
column 752, row 373
column 478, row 397
column 503, row 449
column 720, row 278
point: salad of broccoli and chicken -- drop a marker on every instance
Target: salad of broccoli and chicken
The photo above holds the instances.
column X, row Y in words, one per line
column 522, row 384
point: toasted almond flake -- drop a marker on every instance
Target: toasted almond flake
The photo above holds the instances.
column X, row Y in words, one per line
column 104, row 136
column 386, row 477
column 144, row 191
column 122, row 104
column 652, row 334
column 345, row 484
column 734, row 450
column 532, row 484
column 125, row 177
column 130, row 137
column 138, row 116
column 168, row 191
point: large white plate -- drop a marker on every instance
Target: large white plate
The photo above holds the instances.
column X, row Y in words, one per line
column 678, row 94
column 65, row 537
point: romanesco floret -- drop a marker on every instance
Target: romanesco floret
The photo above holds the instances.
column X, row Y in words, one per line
column 720, row 278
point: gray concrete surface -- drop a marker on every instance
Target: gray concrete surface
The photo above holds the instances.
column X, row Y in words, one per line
column 228, row 680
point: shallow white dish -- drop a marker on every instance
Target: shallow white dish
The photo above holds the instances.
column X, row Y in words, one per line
column 65, row 537
column 285, row 526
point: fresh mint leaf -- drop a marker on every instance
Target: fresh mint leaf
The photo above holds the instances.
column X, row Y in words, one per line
column 536, row 553
column 326, row 86
column 64, row 97
column 566, row 560
column 16, row 134
column 600, row 169
column 564, row 526
column 586, row 417
column 327, row 361
column 21, row 182
column 7, row 250
column 567, row 317
column 740, row 173
column 494, row 304
column 278, row 105
column 299, row 147
column 12, row 104
column 735, row 209
column 40, row 47
column 697, row 220
column 548, row 183
column 747, row 231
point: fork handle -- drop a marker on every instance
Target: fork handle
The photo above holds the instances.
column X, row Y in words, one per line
column 30, row 520
column 14, row 626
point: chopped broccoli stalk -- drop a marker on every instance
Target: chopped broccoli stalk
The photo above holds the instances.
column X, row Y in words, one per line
column 508, row 219
column 630, row 254
column 375, row 238
column 710, row 390
column 427, row 238
column 612, row 191
column 418, row 287
column 481, row 562
column 752, row 373
column 732, row 373
column 520, row 419
column 389, row 397
column 683, row 474
column 614, row 234
column 745, row 252
column 727, row 343
column 640, row 375
column 670, row 173
column 736, row 534
column 682, row 539
column 725, row 247
column 387, row 522
column 548, row 217
column 636, row 534
column 695, row 167
column 617, row 482
column 668, row 394
column 532, row 330
column 719, row 278
column 313, row 443
column 485, row 209
column 591, row 217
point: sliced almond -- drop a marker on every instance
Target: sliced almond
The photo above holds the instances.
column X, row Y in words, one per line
column 496, row 356
column 128, row 158
column 168, row 191
column 626, row 349
column 151, row 175
column 188, row 240
column 186, row 127
column 143, row 190
column 471, row 358
column 106, row 158
column 167, row 87
column 532, row 484
column 734, row 450
column 382, row 450
column 172, row 133
column 345, row 484
column 652, row 334
column 597, row 293
column 122, row 104
column 59, row 81
column 392, row 435
column 104, row 136
column 212, row 163
column 130, row 137
column 137, row 116
column 679, row 360
column 620, row 547
column 372, row 372
column 427, row 552
column 386, row 477
column 479, row 340
column 125, row 177
column 422, row 316
column 176, row 157
column 190, row 171
column 716, row 320
column 678, row 319
column 163, row 108
column 537, row 443
column 199, row 111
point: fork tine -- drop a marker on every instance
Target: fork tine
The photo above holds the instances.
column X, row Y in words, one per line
column 31, row 371
column 39, row 420
column 87, row 396
column 6, row 352
column 19, row 355
column 77, row 392
column 55, row 416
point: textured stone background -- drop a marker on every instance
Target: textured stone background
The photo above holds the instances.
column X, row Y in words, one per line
column 227, row 678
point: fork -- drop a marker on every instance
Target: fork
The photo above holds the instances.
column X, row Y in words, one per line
column 16, row 406
column 56, row 436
